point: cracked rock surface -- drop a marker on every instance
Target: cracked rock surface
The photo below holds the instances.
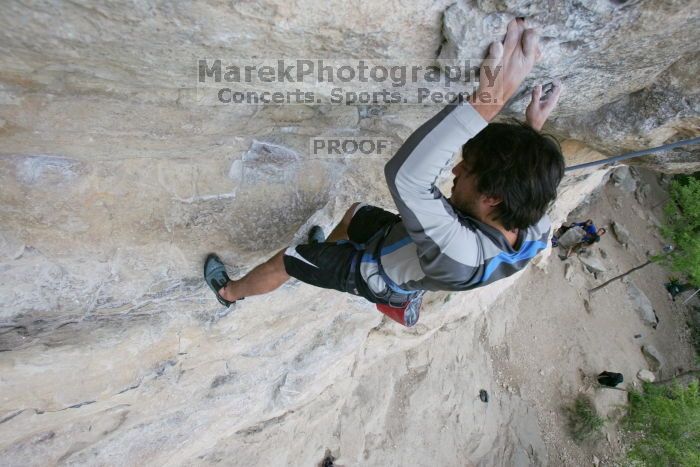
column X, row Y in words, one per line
column 629, row 68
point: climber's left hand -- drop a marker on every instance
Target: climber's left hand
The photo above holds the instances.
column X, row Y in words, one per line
column 540, row 108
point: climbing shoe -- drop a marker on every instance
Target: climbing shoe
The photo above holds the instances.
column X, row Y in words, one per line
column 215, row 276
column 316, row 235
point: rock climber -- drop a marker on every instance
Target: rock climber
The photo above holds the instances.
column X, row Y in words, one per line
column 492, row 224
column 593, row 233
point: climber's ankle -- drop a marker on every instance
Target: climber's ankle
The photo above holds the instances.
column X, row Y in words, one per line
column 228, row 293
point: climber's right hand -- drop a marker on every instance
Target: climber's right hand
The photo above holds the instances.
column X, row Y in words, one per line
column 505, row 68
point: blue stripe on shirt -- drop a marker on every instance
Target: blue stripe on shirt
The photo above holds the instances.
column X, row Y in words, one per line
column 367, row 257
column 395, row 246
column 528, row 250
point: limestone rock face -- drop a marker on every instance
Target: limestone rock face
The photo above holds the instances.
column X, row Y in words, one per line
column 592, row 263
column 642, row 305
column 666, row 110
column 568, row 272
column 653, row 357
column 630, row 68
column 646, row 376
column 622, row 177
column 621, row 233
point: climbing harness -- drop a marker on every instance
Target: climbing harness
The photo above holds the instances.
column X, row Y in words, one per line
column 402, row 306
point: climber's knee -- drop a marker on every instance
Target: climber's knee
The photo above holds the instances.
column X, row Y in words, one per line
column 349, row 213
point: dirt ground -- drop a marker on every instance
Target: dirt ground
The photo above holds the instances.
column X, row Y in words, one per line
column 562, row 337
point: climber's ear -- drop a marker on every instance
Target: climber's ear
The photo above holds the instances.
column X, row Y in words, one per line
column 491, row 201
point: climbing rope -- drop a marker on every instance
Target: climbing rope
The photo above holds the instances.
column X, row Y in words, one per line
column 630, row 155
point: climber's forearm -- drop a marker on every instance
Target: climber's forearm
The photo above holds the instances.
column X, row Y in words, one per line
column 488, row 111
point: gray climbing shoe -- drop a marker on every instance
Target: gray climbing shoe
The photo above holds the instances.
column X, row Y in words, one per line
column 215, row 276
column 316, row 235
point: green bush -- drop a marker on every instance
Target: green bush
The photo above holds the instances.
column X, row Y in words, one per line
column 666, row 422
column 682, row 227
column 583, row 419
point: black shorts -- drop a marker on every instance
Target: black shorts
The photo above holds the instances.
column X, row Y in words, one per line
column 335, row 265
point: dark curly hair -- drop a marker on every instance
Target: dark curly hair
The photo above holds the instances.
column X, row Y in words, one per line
column 518, row 164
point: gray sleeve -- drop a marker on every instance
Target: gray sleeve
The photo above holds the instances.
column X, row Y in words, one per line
column 446, row 249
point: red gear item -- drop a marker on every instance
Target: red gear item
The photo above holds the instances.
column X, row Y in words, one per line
column 392, row 312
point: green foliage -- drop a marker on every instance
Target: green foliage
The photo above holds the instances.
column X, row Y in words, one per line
column 683, row 227
column 583, row 419
column 667, row 422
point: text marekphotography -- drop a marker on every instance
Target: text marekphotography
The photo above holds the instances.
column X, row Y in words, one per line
column 346, row 82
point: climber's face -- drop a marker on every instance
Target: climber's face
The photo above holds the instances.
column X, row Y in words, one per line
column 466, row 197
column 463, row 188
